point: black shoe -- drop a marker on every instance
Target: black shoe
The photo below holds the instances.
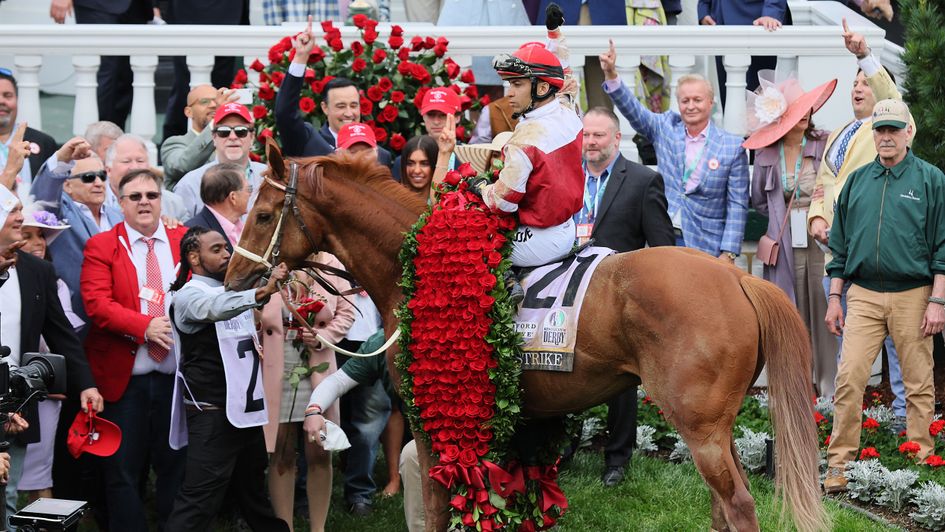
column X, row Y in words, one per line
column 360, row 509
column 612, row 476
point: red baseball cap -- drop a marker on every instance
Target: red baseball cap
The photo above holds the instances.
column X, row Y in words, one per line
column 232, row 108
column 92, row 434
column 442, row 99
column 353, row 133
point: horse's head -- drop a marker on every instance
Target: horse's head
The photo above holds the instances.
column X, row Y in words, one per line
column 273, row 233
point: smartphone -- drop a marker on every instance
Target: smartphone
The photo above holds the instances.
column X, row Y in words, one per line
column 245, row 96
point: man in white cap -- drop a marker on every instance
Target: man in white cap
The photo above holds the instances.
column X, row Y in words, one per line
column 888, row 240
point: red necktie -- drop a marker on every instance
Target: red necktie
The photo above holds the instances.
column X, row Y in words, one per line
column 154, row 281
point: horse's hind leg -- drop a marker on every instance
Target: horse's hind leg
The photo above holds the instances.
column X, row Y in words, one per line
column 732, row 505
column 718, row 516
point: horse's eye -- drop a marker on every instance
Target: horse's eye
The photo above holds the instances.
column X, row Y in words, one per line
column 263, row 217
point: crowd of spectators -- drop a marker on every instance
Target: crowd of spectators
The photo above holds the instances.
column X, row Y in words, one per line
column 98, row 233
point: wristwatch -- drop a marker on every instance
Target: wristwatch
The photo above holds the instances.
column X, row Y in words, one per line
column 731, row 255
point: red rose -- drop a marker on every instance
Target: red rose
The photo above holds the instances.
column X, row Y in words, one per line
column 385, row 84
column 452, row 69
column 379, row 55
column 468, row 458
column 439, row 51
column 458, row 502
column 263, row 135
column 358, row 65
column 380, row 134
column 468, row 77
column 266, row 92
column 317, row 55
column 403, row 54
column 465, row 102
column 318, row 86
column 327, row 26
column 366, row 107
column 450, row 454
column 257, row 66
column 460, row 133
column 416, row 44
column 254, row 157
column 240, row 76
column 405, row 67
column 396, row 31
column 453, row 178
column 275, row 54
column 485, row 100
column 397, row 142
column 357, row 48
column 309, row 75
column 370, row 35
column 277, row 77
column 260, row 112
column 359, row 20
column 442, row 41
column 306, row 104
column 263, row 77
column 395, row 42
column 429, row 43
column 471, row 91
column 455, row 88
column 390, row 112
column 374, row 93
column 336, row 44
column 396, row 96
column 466, row 170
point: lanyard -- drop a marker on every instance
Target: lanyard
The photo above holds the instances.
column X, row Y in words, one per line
column 591, row 206
column 692, row 168
column 797, row 169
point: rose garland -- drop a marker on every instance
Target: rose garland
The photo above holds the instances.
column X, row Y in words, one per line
column 393, row 76
column 460, row 363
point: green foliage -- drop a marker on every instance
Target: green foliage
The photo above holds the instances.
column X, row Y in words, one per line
column 925, row 87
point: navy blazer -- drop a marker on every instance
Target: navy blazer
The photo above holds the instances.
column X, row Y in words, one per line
column 47, row 146
column 299, row 138
column 603, row 12
column 743, row 12
column 205, row 218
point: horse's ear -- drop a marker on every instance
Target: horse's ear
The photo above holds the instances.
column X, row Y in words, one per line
column 276, row 162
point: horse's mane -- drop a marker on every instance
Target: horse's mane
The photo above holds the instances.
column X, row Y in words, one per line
column 367, row 172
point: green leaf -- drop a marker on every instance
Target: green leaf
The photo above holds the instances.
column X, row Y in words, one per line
column 321, row 367
column 496, row 500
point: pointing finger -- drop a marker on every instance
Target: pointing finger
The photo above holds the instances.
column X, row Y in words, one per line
column 308, row 29
column 846, row 28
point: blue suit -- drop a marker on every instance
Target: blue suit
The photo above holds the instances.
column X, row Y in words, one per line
column 603, row 12
column 67, row 249
column 713, row 214
column 742, row 12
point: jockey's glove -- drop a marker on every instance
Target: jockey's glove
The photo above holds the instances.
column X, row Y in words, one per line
column 476, row 184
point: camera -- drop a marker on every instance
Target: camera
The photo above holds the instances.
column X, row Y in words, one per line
column 40, row 375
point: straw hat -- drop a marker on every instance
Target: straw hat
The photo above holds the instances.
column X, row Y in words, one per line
column 776, row 107
column 52, row 227
column 479, row 155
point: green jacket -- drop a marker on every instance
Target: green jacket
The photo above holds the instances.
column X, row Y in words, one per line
column 367, row 370
column 889, row 230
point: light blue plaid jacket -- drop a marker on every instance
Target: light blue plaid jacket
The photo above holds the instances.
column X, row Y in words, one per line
column 713, row 214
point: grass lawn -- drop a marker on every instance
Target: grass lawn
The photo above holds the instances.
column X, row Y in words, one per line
column 657, row 496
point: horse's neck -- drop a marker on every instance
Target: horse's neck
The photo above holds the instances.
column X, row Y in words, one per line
column 368, row 246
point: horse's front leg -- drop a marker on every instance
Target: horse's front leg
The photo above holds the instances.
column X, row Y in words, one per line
column 435, row 497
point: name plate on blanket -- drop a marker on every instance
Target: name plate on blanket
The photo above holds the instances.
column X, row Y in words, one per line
column 548, row 317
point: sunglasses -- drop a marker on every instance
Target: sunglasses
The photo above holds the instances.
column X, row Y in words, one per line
column 224, row 131
column 90, row 177
column 136, row 196
column 6, row 72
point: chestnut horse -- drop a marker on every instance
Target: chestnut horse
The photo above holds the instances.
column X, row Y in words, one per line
column 695, row 331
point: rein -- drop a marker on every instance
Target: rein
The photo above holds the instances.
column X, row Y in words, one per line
column 272, row 251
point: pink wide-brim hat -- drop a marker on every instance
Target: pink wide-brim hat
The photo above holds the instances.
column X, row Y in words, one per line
column 796, row 110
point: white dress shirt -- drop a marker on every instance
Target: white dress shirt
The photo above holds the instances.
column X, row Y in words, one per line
column 10, row 308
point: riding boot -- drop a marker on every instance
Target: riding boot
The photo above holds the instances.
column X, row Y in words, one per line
column 512, row 284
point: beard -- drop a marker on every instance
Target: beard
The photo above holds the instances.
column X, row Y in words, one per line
column 218, row 275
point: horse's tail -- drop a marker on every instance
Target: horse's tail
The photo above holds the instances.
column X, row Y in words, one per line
column 786, row 348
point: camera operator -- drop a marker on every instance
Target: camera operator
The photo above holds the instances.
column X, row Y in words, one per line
column 223, row 393
column 30, row 308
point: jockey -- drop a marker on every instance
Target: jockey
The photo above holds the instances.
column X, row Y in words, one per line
column 542, row 180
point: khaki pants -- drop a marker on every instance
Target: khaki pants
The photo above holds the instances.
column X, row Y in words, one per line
column 413, row 492
column 870, row 317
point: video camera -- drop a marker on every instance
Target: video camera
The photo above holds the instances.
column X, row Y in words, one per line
column 39, row 375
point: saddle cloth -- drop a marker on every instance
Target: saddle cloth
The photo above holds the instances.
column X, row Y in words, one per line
column 548, row 316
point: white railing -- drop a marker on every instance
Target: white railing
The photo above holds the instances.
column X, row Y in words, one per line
column 815, row 52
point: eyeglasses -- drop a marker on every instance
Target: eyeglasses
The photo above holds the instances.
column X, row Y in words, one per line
column 90, row 177
column 224, row 131
column 136, row 196
column 201, row 101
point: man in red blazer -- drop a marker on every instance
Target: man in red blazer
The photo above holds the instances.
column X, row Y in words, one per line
column 125, row 275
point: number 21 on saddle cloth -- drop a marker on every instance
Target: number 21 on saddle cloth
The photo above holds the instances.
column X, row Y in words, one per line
column 548, row 316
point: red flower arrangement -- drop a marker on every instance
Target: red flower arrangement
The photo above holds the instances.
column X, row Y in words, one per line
column 870, row 424
column 370, row 63
column 460, row 365
column 869, row 452
column 935, row 461
column 937, row 427
column 910, row 449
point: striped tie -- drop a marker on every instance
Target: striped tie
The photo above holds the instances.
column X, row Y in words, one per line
column 154, row 281
column 844, row 144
